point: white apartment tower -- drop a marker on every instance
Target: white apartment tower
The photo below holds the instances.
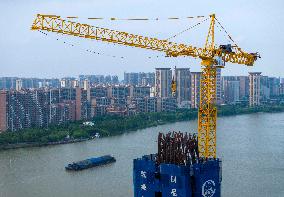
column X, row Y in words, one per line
column 195, row 89
column 19, row 84
column 86, row 84
column 183, row 91
column 254, row 88
column 218, row 87
column 163, row 82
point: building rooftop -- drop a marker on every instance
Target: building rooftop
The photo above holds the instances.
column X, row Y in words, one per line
column 254, row 73
column 163, row 68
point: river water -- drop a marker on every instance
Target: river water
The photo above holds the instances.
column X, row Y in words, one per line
column 251, row 147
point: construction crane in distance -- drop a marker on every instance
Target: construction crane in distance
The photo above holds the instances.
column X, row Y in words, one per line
column 212, row 57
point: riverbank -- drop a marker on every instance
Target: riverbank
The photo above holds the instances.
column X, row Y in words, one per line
column 37, row 144
column 112, row 125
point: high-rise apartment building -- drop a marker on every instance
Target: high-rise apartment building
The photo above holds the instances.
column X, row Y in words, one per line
column 3, row 111
column 86, row 84
column 114, row 80
column 163, row 82
column 140, row 91
column 99, row 91
column 218, row 87
column 225, row 87
column 100, row 79
column 183, row 91
column 66, row 83
column 146, row 79
column 254, row 88
column 281, row 89
column 97, row 79
column 264, row 88
column 244, row 87
column 7, row 83
column 167, row 104
column 87, row 88
column 119, row 94
column 19, row 84
column 140, row 79
column 146, row 104
column 108, row 79
column 78, row 103
column 274, row 84
column 195, row 89
column 131, row 78
column 233, row 92
column 74, row 83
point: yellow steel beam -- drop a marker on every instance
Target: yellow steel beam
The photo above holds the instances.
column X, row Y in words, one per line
column 207, row 113
column 56, row 24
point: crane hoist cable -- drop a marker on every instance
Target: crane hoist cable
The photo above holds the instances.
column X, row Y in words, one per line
column 230, row 37
column 96, row 52
column 136, row 19
column 224, row 34
column 191, row 27
column 153, row 19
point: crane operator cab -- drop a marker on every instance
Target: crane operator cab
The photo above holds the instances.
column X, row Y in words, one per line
column 226, row 48
column 219, row 62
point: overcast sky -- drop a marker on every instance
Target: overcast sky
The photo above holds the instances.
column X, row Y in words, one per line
column 256, row 26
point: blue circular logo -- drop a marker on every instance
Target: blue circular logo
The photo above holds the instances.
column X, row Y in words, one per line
column 208, row 188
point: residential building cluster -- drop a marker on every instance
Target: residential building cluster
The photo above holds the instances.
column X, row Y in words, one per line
column 140, row 79
column 41, row 107
column 26, row 103
column 254, row 89
column 27, row 83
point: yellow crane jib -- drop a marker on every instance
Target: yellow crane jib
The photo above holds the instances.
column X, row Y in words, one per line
column 55, row 23
column 211, row 58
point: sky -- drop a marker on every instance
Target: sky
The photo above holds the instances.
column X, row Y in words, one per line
column 255, row 25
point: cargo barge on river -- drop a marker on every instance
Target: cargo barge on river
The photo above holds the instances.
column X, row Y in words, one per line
column 89, row 163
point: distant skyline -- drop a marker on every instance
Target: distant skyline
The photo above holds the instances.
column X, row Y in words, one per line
column 120, row 77
column 255, row 25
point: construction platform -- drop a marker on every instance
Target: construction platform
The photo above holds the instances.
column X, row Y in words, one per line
column 166, row 175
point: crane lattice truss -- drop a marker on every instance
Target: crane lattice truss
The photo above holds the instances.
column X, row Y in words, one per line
column 207, row 116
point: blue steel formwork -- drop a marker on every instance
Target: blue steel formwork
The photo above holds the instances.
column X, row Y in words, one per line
column 201, row 179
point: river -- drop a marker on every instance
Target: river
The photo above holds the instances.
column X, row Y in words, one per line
column 251, row 147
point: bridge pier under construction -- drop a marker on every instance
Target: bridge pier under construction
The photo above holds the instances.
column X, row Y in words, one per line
column 176, row 170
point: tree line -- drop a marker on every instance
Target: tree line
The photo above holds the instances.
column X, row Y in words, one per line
column 110, row 125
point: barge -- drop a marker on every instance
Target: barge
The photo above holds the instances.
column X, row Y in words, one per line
column 91, row 162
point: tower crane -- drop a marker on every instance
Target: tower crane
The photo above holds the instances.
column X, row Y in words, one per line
column 210, row 56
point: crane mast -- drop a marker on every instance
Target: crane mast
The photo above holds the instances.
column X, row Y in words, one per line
column 207, row 114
